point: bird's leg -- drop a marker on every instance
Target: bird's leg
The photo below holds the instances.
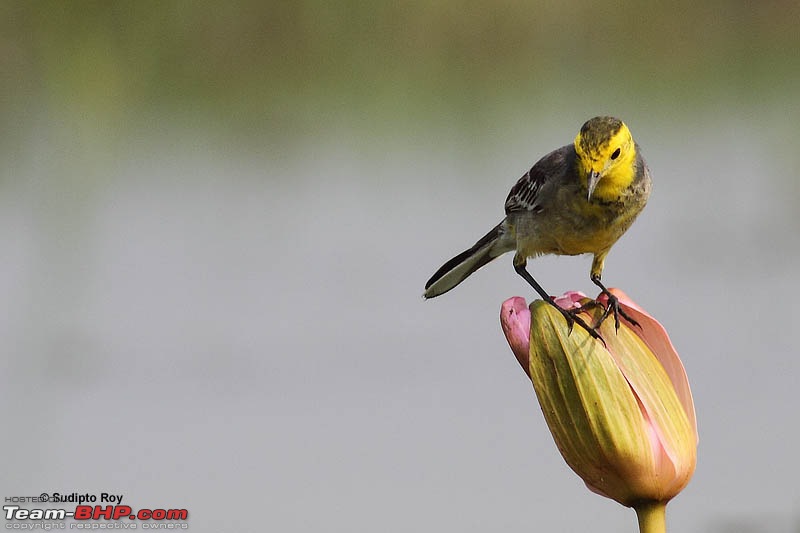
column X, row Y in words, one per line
column 613, row 305
column 569, row 315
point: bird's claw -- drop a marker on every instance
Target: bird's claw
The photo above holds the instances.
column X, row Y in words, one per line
column 612, row 305
column 572, row 318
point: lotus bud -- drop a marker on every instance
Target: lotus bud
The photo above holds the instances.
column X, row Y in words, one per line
column 621, row 413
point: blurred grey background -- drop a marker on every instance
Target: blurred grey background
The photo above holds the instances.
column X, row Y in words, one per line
column 217, row 220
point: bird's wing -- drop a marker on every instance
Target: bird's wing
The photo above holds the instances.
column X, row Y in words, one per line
column 525, row 195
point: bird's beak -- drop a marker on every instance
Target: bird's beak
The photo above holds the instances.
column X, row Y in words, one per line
column 594, row 179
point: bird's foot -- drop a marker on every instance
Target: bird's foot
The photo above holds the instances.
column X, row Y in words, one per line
column 572, row 318
column 612, row 305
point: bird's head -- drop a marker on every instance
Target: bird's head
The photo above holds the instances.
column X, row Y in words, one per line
column 606, row 153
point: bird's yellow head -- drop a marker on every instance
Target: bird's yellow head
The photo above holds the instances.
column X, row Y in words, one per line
column 606, row 155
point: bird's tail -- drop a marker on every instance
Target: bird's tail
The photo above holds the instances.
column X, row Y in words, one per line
column 490, row 246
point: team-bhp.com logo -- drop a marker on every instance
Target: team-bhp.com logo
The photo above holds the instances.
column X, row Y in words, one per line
column 87, row 516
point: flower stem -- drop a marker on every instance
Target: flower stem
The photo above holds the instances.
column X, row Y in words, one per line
column 652, row 517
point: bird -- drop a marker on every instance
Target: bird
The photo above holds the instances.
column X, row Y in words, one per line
column 578, row 199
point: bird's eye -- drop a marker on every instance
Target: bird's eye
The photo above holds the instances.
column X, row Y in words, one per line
column 615, row 154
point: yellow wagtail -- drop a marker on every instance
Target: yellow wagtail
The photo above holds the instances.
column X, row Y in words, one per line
column 575, row 200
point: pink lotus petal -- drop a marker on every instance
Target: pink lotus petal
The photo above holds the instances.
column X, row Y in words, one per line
column 656, row 338
column 515, row 318
column 570, row 300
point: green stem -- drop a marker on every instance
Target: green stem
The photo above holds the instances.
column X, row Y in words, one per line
column 652, row 517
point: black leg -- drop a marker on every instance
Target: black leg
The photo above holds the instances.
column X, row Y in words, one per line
column 570, row 316
column 613, row 305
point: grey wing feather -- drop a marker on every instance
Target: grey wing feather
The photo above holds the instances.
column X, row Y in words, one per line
column 525, row 195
